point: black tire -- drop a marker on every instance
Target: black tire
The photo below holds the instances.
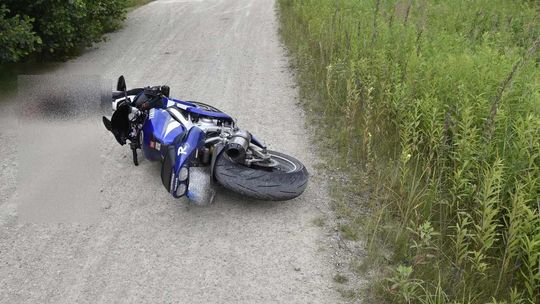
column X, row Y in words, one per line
column 286, row 182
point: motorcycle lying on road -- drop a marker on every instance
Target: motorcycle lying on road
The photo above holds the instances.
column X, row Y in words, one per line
column 187, row 134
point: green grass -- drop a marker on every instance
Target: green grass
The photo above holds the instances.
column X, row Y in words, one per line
column 340, row 279
column 133, row 4
column 434, row 108
column 348, row 232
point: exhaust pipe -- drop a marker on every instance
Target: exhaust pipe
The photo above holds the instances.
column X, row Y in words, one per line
column 237, row 146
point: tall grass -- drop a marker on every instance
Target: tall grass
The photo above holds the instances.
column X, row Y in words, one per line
column 441, row 99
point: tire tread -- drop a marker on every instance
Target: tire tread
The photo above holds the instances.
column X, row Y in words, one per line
column 271, row 185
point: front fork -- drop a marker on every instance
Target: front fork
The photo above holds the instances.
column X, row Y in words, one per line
column 135, row 136
column 134, row 145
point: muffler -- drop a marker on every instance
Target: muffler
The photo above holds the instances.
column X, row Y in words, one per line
column 238, row 145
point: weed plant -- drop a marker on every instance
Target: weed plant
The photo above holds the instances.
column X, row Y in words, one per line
column 439, row 102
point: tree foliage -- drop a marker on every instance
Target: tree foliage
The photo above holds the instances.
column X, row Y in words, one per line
column 55, row 28
column 17, row 38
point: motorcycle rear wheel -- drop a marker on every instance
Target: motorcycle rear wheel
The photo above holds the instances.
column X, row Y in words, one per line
column 284, row 182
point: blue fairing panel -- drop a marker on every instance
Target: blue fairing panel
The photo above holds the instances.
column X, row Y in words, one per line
column 185, row 151
column 159, row 130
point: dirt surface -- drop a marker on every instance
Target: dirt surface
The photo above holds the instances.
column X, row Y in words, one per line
column 143, row 246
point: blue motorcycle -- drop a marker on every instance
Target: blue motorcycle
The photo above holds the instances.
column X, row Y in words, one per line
column 186, row 134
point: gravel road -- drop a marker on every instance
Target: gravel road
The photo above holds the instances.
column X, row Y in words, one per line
column 143, row 246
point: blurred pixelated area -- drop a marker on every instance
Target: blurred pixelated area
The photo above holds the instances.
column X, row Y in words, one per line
column 57, row 138
column 61, row 98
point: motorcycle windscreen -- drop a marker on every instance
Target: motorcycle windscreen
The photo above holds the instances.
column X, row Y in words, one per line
column 167, row 168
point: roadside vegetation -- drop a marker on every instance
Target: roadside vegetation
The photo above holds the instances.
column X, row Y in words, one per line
column 434, row 108
column 55, row 30
column 132, row 4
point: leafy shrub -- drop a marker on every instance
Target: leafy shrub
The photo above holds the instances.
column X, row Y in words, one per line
column 64, row 26
column 17, row 39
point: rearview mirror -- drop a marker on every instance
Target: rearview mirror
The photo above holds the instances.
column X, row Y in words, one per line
column 121, row 85
column 107, row 123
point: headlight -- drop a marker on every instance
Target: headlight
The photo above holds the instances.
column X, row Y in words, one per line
column 181, row 190
column 183, row 174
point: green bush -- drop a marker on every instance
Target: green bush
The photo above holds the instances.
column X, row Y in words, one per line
column 64, row 26
column 17, row 38
column 442, row 99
